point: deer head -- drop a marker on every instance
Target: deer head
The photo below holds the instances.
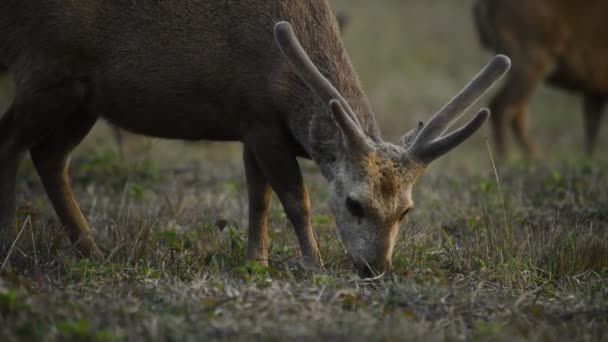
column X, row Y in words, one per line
column 371, row 180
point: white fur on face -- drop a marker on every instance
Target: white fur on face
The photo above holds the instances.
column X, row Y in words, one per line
column 384, row 192
column 392, row 238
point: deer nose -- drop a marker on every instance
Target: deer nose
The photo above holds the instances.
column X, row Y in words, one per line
column 370, row 270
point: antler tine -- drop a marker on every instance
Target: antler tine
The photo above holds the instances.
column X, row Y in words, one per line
column 293, row 50
column 431, row 151
column 478, row 86
column 355, row 139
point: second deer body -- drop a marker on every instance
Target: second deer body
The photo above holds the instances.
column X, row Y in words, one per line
column 560, row 42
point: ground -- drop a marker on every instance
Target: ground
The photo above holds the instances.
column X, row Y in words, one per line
column 495, row 250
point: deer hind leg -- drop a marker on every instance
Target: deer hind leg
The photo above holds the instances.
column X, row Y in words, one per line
column 593, row 110
column 49, row 123
column 51, row 157
column 276, row 160
column 10, row 156
column 260, row 193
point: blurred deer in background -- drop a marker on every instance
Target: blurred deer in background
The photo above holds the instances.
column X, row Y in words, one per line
column 211, row 70
column 560, row 42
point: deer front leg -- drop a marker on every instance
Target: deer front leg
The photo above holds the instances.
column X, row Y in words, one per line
column 277, row 161
column 259, row 193
column 509, row 106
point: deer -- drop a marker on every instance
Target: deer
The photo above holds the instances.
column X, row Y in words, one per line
column 272, row 75
column 561, row 43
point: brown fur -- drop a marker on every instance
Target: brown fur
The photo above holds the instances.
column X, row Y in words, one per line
column 560, row 42
column 122, row 138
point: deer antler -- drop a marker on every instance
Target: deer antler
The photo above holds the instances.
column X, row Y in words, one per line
column 354, row 138
column 293, row 50
column 424, row 147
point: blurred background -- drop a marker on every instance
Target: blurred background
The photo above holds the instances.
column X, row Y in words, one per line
column 412, row 57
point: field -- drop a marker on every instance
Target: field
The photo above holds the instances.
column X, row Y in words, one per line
column 495, row 250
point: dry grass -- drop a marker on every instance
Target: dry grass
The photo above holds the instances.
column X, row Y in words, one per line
column 527, row 262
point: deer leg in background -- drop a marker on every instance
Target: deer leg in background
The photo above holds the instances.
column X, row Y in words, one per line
column 343, row 19
column 519, row 125
column 10, row 156
column 275, row 157
column 593, row 110
column 260, row 194
column 500, row 107
column 510, row 104
column 119, row 138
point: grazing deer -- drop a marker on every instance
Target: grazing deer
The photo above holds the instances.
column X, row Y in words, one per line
column 560, row 42
column 212, row 70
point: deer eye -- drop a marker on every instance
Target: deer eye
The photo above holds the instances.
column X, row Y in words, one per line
column 405, row 213
column 355, row 208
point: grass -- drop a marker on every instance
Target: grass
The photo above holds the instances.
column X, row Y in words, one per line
column 512, row 251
